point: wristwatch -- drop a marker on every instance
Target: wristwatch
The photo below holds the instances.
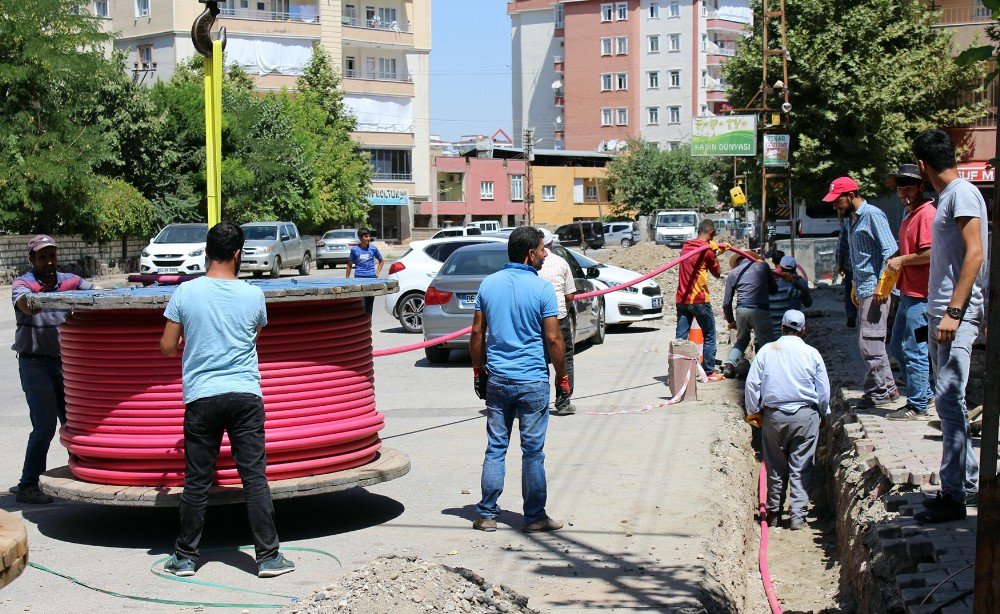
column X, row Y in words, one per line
column 955, row 313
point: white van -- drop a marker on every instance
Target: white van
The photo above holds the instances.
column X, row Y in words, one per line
column 674, row 227
column 485, row 226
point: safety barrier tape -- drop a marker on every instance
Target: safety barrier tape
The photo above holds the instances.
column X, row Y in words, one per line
column 677, row 398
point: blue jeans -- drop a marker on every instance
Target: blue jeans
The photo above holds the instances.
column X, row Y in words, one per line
column 951, row 362
column 750, row 319
column 703, row 314
column 912, row 356
column 42, row 383
column 529, row 402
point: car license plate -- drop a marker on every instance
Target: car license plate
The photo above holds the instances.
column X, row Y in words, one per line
column 167, row 269
column 657, row 302
column 468, row 299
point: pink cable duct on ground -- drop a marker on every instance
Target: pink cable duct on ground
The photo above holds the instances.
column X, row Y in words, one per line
column 765, row 571
column 125, row 410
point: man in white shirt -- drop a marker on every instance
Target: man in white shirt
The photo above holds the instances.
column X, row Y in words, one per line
column 556, row 271
column 787, row 392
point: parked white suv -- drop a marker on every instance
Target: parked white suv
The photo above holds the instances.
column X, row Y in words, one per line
column 177, row 249
column 623, row 233
column 414, row 271
column 457, row 231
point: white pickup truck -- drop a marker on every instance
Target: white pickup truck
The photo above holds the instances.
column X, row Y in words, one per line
column 271, row 246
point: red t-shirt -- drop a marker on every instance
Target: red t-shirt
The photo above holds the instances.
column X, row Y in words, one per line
column 692, row 274
column 915, row 235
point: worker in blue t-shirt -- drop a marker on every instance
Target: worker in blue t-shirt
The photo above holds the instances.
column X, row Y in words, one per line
column 363, row 257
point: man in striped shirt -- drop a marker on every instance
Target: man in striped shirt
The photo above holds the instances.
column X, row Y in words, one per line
column 870, row 243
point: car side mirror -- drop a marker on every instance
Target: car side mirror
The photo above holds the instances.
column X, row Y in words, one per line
column 593, row 272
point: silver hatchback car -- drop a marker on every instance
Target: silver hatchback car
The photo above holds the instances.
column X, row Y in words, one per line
column 450, row 301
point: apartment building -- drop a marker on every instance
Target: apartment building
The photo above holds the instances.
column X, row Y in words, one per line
column 382, row 48
column 589, row 74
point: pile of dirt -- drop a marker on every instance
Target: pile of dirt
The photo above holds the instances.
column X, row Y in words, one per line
column 646, row 256
column 411, row 585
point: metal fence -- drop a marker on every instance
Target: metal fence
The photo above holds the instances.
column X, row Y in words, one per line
column 304, row 14
column 377, row 75
column 375, row 24
column 964, row 13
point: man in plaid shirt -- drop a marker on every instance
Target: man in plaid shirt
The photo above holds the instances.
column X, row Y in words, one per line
column 870, row 244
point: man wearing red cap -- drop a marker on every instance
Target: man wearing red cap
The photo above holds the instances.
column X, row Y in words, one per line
column 871, row 244
column 36, row 341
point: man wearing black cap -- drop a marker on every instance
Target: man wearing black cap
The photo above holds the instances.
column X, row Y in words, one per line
column 908, row 342
column 36, row 341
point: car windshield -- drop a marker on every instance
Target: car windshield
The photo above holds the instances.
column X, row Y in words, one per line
column 475, row 262
column 585, row 262
column 674, row 221
column 260, row 233
column 339, row 234
column 182, row 234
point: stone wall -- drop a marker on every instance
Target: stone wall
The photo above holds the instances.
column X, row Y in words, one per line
column 75, row 256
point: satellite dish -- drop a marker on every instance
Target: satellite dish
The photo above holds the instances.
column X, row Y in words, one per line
column 612, row 144
column 559, row 119
column 557, row 84
column 621, row 146
column 601, row 145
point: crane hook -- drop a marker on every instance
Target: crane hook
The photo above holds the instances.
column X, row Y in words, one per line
column 201, row 29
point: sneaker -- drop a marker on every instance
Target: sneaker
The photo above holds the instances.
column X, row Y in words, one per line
column 543, row 524
column 773, row 519
column 566, row 410
column 852, row 322
column 32, row 495
column 485, row 524
column 797, row 524
column 275, row 566
column 906, row 413
column 179, row 566
column 729, row 371
column 971, row 500
column 871, row 402
column 942, row 509
column 715, row 376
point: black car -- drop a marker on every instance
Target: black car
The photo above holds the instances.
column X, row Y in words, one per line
column 577, row 233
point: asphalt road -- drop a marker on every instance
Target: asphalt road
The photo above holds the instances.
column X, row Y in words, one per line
column 632, row 488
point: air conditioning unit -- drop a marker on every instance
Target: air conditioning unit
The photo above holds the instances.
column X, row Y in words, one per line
column 454, row 178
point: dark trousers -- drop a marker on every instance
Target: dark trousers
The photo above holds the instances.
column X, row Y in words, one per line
column 42, row 382
column 240, row 415
column 565, row 327
column 368, row 301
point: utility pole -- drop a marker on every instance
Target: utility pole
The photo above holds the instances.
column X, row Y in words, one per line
column 528, row 144
column 986, row 597
column 766, row 113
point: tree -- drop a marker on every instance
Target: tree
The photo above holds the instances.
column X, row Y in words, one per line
column 644, row 179
column 865, row 77
column 116, row 210
column 51, row 64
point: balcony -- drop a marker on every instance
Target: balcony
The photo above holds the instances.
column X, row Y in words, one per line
column 718, row 52
column 375, row 32
column 299, row 20
column 725, row 23
column 305, row 13
column 392, row 176
column 963, row 14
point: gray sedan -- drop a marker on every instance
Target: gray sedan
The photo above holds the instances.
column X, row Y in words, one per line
column 450, row 301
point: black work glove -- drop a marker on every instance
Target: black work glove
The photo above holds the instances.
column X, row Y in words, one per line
column 480, row 380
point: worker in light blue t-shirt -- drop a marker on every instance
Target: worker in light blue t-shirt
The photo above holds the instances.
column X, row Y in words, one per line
column 363, row 257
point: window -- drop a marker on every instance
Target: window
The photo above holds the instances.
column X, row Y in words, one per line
column 606, row 117
column 622, row 116
column 145, row 55
column 486, row 190
column 387, row 68
column 560, row 15
column 675, row 115
column 621, row 45
column 589, row 192
column 606, row 82
column 675, row 78
column 101, row 8
column 653, row 79
column 621, row 81
column 350, row 66
column 672, row 145
column 652, row 115
column 653, row 43
column 621, row 11
column 517, row 187
column 607, row 11
column 391, row 164
column 705, row 80
column 675, row 42
column 606, row 46
column 387, row 16
column 704, row 109
column 654, row 10
column 142, row 8
column 675, row 8
column 548, row 192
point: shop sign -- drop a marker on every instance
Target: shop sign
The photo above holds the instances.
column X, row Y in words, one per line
column 381, row 197
column 976, row 172
column 724, row 135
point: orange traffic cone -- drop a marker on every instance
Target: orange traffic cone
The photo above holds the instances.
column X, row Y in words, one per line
column 697, row 337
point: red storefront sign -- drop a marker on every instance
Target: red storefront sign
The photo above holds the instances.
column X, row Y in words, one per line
column 976, row 172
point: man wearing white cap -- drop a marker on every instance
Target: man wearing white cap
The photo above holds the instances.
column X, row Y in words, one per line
column 556, row 271
column 36, row 341
column 787, row 392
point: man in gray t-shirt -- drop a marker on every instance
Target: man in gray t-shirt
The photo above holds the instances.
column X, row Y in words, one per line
column 955, row 312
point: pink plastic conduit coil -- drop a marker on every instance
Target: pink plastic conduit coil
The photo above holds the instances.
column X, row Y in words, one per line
column 125, row 410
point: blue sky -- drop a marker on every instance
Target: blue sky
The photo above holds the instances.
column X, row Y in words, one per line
column 470, row 67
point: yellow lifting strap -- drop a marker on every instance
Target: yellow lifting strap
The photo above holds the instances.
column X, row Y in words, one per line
column 213, row 132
